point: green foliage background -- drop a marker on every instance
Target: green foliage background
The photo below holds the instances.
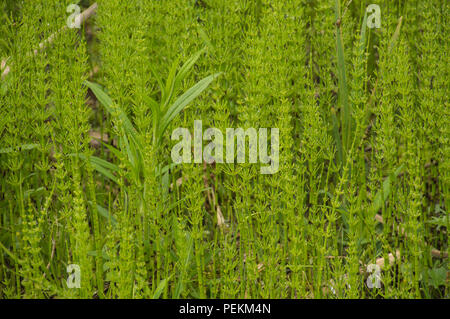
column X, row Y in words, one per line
column 86, row 176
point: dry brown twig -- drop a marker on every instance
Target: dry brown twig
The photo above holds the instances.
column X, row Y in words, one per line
column 212, row 200
column 97, row 138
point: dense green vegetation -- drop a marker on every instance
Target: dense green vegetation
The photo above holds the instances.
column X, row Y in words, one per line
column 86, row 175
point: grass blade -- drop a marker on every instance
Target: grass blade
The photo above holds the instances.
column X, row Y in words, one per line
column 183, row 101
column 343, row 89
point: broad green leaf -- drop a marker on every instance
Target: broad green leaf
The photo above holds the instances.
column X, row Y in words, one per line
column 113, row 150
column 437, row 276
column 337, row 136
column 362, row 40
column 154, row 106
column 170, row 83
column 8, row 252
column 382, row 195
column 395, row 35
column 184, row 100
column 162, row 284
column 105, row 172
column 95, row 253
column 205, row 38
column 103, row 98
column 130, row 154
column 160, row 83
column 104, row 212
column 101, row 166
column 98, row 161
column 106, row 101
column 165, row 168
column 184, row 70
column 33, row 191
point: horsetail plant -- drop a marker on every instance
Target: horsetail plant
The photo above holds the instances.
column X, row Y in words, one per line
column 93, row 206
